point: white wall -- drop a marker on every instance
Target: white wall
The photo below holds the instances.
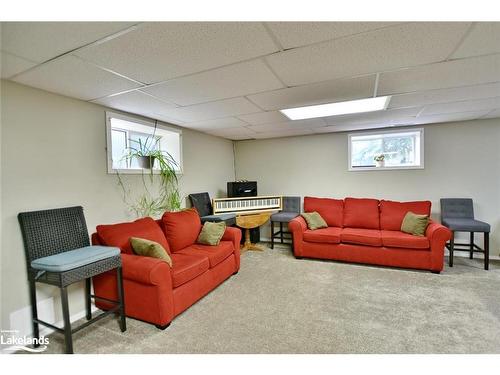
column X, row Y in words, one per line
column 53, row 155
column 461, row 160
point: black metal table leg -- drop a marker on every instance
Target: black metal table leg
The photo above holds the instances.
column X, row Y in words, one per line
column 452, row 245
column 68, row 339
column 281, row 231
column 486, row 250
column 121, row 299
column 88, row 304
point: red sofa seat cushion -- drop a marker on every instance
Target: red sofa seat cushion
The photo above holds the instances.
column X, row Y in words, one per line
column 392, row 238
column 181, row 228
column 186, row 267
column 393, row 213
column 361, row 213
column 323, row 235
column 331, row 210
column 370, row 237
column 119, row 234
column 215, row 254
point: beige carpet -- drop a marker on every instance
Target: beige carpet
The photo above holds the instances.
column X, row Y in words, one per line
column 277, row 304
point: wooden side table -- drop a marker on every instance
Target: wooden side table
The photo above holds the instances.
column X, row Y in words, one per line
column 249, row 222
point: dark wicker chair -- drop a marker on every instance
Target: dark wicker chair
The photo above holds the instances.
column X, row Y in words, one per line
column 203, row 204
column 51, row 236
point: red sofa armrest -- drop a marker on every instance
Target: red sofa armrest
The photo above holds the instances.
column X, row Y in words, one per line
column 146, row 270
column 234, row 235
column 438, row 235
column 297, row 226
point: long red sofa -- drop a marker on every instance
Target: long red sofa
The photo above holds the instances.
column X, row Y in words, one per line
column 154, row 292
column 368, row 231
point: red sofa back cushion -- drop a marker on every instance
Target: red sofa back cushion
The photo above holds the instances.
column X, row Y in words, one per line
column 361, row 213
column 181, row 228
column 119, row 234
column 393, row 213
column 331, row 210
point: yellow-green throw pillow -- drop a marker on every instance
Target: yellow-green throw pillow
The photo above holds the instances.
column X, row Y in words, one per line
column 314, row 220
column 211, row 233
column 415, row 224
column 149, row 248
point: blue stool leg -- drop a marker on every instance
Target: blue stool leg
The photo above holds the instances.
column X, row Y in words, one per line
column 121, row 299
column 34, row 313
column 88, row 303
column 68, row 339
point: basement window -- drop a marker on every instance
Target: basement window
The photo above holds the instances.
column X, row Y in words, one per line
column 399, row 149
column 126, row 134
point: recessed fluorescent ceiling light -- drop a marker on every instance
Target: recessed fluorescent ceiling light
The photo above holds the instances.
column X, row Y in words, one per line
column 334, row 109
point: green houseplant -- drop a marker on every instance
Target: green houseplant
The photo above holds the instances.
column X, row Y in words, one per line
column 379, row 160
column 160, row 190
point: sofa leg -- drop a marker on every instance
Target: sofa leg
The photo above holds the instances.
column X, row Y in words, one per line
column 297, row 257
column 162, row 327
column 436, row 272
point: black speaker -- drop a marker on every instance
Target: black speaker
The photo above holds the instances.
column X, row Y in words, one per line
column 241, row 189
column 237, row 189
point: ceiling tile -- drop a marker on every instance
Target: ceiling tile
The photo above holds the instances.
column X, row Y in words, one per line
column 214, row 110
column 445, row 95
column 386, row 117
column 483, row 39
column 295, row 34
column 455, row 73
column 493, row 114
column 355, row 127
column 222, row 123
column 12, row 65
column 317, row 93
column 163, row 50
column 288, row 125
column 464, row 106
column 263, row 118
column 73, row 77
column 448, row 117
column 284, row 133
column 235, row 80
column 240, row 131
column 41, row 41
column 380, row 50
column 136, row 102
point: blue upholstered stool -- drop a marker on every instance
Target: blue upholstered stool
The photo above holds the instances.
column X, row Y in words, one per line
column 291, row 209
column 458, row 215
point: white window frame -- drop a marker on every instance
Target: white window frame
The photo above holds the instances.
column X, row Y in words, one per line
column 385, row 168
column 148, row 123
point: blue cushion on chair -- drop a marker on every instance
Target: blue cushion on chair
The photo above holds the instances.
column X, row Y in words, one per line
column 283, row 217
column 72, row 259
column 229, row 219
column 466, row 225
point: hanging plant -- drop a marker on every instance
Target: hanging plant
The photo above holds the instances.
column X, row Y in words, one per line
column 159, row 179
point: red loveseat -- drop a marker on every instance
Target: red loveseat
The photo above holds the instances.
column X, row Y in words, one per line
column 368, row 231
column 154, row 292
